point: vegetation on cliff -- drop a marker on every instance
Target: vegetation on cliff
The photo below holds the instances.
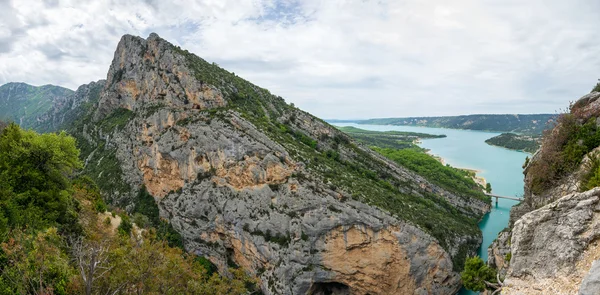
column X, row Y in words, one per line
column 576, row 134
column 454, row 180
column 525, row 143
column 477, row 276
column 56, row 238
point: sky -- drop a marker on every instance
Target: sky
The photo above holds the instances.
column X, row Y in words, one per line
column 337, row 59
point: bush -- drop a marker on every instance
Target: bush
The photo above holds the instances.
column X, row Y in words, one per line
column 591, row 178
column 476, row 273
column 125, row 226
column 597, row 88
column 100, row 206
column 206, row 264
column 563, row 148
column 141, row 220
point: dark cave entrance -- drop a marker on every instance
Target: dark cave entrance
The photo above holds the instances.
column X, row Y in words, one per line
column 329, row 288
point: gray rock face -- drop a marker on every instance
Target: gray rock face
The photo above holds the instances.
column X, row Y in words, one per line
column 549, row 241
column 591, row 282
column 243, row 193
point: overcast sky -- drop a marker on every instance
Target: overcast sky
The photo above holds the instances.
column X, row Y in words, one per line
column 333, row 58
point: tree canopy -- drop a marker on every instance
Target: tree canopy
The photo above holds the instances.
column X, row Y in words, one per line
column 57, row 238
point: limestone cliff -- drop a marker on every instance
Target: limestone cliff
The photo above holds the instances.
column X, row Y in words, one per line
column 552, row 245
column 249, row 180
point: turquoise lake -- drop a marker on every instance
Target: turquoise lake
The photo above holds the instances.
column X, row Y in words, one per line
column 502, row 168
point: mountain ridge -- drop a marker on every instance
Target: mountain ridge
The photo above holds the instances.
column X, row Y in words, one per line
column 24, row 103
column 517, row 123
column 249, row 179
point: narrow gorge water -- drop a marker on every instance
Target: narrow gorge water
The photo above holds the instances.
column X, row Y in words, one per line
column 467, row 149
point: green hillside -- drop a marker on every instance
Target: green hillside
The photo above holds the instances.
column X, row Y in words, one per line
column 23, row 103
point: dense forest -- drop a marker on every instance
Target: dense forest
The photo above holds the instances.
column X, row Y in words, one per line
column 57, row 235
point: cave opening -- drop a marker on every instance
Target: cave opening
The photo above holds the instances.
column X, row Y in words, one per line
column 329, row 288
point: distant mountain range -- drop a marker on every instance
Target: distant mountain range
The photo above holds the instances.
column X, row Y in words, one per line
column 527, row 124
column 24, row 104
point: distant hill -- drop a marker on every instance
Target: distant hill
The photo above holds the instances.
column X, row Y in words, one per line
column 529, row 124
column 525, row 143
column 24, row 103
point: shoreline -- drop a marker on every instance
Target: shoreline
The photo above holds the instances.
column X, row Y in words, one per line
column 514, row 150
column 480, row 180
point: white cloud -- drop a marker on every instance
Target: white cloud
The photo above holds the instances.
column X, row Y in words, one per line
column 338, row 58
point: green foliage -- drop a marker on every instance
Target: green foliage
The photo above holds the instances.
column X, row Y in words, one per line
column 146, row 206
column 34, row 179
column 100, row 206
column 206, row 264
column 597, row 87
column 476, row 273
column 117, row 119
column 125, row 226
column 517, row 142
column 35, row 264
column 508, row 257
column 563, row 149
column 488, row 188
column 166, row 232
column 454, row 180
column 591, row 178
column 141, row 220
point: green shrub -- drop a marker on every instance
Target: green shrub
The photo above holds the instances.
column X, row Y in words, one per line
column 141, row 220
column 563, row 149
column 206, row 264
column 100, row 206
column 476, row 273
column 591, row 178
column 597, row 88
column 125, row 226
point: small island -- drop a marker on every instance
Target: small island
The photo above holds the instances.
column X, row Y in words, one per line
column 519, row 142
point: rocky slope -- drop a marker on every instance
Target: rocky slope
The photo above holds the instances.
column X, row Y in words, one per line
column 552, row 245
column 23, row 103
column 251, row 181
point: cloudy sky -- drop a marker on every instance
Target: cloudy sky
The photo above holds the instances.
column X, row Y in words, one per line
column 333, row 58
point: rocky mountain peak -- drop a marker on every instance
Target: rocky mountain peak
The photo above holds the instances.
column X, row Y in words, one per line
column 153, row 72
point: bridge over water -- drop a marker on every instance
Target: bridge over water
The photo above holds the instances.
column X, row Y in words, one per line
column 504, row 197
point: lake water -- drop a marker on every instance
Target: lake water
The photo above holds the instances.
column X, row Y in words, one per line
column 502, row 168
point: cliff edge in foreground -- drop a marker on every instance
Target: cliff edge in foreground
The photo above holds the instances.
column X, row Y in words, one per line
column 553, row 245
